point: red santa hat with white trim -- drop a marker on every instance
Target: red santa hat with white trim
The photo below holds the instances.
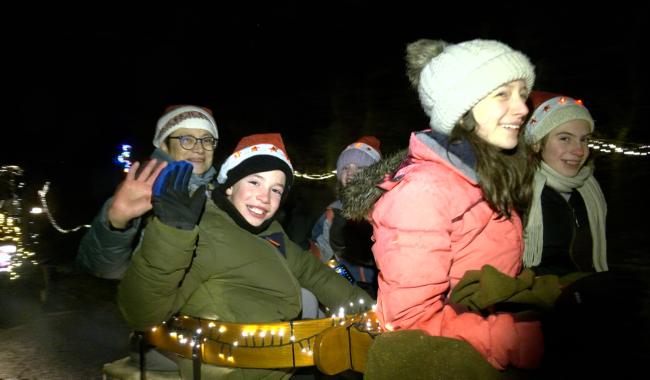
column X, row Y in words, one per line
column 255, row 154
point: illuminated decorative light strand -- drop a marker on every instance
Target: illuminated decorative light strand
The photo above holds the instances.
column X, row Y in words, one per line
column 364, row 322
column 600, row 145
column 13, row 243
column 611, row 146
column 317, row 177
column 124, row 158
column 42, row 194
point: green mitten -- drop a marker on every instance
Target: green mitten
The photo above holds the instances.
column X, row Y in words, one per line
column 466, row 287
column 497, row 286
column 478, row 290
column 542, row 294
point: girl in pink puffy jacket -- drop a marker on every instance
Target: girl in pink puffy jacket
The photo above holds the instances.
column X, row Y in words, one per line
column 456, row 202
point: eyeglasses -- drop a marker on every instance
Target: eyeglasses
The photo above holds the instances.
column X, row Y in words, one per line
column 188, row 142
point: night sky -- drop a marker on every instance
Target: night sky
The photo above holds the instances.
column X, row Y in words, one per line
column 322, row 75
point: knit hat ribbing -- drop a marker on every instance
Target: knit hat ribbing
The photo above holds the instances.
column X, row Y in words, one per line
column 254, row 154
column 552, row 110
column 186, row 116
column 452, row 82
column 363, row 153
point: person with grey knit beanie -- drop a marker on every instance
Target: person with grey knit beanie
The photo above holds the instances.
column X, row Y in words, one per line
column 565, row 231
column 453, row 206
column 348, row 242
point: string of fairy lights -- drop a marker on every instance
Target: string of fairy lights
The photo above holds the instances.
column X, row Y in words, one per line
column 15, row 248
column 238, row 344
column 13, row 252
column 42, row 194
column 611, row 146
column 123, row 159
column 14, row 242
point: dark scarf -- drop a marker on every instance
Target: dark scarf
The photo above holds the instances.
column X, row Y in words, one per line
column 224, row 203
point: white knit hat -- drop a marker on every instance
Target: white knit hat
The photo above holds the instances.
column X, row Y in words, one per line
column 460, row 76
column 552, row 110
column 177, row 117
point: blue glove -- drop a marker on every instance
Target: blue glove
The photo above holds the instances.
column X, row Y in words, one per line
column 172, row 203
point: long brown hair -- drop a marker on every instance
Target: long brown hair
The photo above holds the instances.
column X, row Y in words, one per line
column 505, row 176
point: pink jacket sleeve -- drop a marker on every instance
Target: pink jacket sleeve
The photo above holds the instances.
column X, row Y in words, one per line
column 413, row 250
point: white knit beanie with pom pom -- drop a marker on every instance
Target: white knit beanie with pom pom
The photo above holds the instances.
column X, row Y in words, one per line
column 452, row 82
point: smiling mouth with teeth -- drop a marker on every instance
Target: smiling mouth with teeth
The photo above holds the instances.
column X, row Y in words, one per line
column 256, row 211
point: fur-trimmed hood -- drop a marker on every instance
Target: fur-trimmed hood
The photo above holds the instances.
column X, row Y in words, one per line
column 361, row 193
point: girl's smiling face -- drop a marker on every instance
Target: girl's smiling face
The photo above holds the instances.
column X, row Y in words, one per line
column 500, row 114
column 565, row 148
